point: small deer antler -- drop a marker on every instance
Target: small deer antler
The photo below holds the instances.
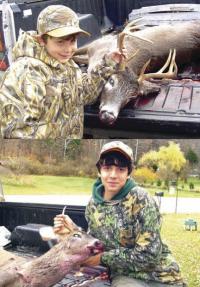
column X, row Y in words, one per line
column 170, row 74
column 64, row 225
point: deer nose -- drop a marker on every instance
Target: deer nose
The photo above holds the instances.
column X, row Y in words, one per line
column 107, row 117
column 98, row 243
column 98, row 246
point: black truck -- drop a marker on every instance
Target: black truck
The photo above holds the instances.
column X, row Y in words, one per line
column 173, row 114
column 23, row 222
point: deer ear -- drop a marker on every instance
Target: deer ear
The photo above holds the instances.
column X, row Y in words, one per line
column 47, row 233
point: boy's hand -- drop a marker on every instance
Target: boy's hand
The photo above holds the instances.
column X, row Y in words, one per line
column 63, row 224
column 94, row 260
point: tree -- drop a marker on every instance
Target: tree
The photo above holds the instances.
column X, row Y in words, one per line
column 72, row 148
column 144, row 174
column 150, row 160
column 168, row 162
column 171, row 159
column 192, row 157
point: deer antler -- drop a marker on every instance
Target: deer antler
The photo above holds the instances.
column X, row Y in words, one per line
column 64, row 225
column 129, row 30
column 171, row 73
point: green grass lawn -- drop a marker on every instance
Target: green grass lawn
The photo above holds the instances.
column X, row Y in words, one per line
column 184, row 245
column 42, row 185
column 181, row 193
column 38, row 184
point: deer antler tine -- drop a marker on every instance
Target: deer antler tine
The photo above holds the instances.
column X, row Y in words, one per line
column 171, row 73
column 142, row 75
column 129, row 30
column 120, row 41
column 173, row 65
column 134, row 22
column 142, row 38
column 136, row 27
column 166, row 63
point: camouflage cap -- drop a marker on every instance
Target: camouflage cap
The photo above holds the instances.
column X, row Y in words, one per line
column 58, row 21
column 117, row 146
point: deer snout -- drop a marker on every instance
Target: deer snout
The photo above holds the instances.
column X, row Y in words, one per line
column 96, row 247
column 107, row 118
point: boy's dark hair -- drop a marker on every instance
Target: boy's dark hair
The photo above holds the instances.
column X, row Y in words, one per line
column 115, row 158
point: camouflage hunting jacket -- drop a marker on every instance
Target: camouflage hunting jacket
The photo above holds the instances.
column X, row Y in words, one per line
column 130, row 230
column 42, row 98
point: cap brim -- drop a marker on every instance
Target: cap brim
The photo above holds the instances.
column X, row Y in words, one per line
column 66, row 31
column 118, row 150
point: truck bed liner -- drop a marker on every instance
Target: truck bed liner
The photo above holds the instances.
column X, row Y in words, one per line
column 174, row 111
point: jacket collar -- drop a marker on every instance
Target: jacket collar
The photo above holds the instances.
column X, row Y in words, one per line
column 98, row 190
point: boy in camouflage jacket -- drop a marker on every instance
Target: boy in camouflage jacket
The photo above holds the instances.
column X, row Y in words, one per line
column 127, row 220
column 43, row 92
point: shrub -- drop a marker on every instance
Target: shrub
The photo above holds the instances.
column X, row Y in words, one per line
column 24, row 165
column 191, row 185
column 166, row 183
column 159, row 182
column 144, row 174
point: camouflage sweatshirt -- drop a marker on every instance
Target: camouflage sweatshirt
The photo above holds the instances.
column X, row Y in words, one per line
column 42, row 98
column 129, row 226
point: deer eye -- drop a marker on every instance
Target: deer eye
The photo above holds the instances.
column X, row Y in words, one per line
column 77, row 235
column 111, row 81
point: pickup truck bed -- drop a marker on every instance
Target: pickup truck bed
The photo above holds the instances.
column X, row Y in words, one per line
column 175, row 111
column 24, row 221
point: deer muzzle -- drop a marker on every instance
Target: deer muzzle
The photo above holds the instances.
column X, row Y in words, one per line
column 96, row 247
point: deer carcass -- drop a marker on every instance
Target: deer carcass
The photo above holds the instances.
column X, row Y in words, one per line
column 51, row 267
column 150, row 45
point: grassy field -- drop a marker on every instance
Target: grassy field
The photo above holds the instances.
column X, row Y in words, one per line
column 184, row 245
column 37, row 184
column 43, row 185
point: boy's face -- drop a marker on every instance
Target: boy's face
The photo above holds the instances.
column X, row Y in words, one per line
column 62, row 49
column 113, row 177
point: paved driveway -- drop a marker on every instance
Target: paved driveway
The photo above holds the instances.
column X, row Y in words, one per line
column 168, row 204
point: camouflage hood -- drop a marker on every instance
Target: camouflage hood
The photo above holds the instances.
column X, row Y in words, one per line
column 27, row 46
column 98, row 189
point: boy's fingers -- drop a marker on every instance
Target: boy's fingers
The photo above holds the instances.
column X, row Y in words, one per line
column 61, row 222
column 58, row 225
column 56, row 229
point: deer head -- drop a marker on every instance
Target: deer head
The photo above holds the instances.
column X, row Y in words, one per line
column 126, row 85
